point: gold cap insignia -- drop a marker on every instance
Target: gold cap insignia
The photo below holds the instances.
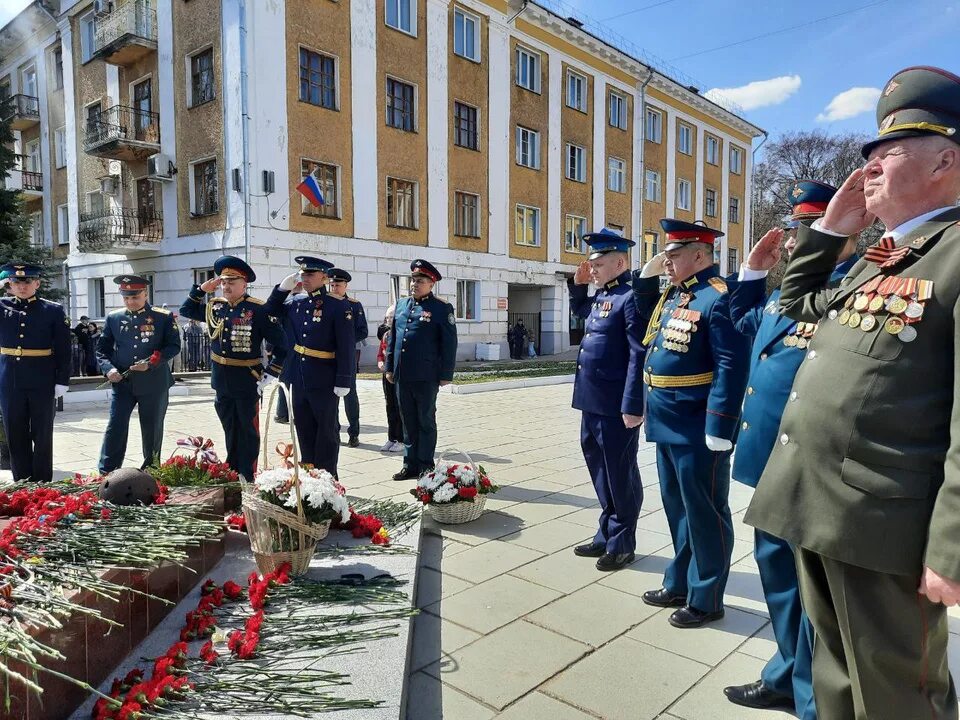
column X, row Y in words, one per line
column 891, row 86
column 797, row 191
column 888, row 121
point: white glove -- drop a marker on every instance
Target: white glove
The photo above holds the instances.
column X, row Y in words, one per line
column 341, row 392
column 264, row 382
column 60, row 390
column 653, row 267
column 290, row 281
column 715, row 444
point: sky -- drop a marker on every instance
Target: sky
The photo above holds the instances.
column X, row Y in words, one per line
column 825, row 74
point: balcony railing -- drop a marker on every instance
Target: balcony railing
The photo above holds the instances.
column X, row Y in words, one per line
column 23, row 111
column 126, row 33
column 28, row 182
column 123, row 133
column 120, row 230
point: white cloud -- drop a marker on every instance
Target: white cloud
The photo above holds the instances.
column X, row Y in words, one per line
column 757, row 94
column 850, row 103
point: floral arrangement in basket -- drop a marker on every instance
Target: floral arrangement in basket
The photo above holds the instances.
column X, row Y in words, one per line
column 451, row 482
column 323, row 498
column 198, row 466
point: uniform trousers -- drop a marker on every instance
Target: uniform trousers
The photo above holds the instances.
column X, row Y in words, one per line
column 881, row 647
column 789, row 671
column 316, row 414
column 695, row 487
column 28, row 423
column 351, row 405
column 418, row 409
column 239, row 413
column 394, row 423
column 152, row 408
column 610, row 451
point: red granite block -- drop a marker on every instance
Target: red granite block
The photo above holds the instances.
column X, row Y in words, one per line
column 164, row 582
column 60, row 697
column 19, row 694
column 107, row 644
column 213, row 551
column 138, row 609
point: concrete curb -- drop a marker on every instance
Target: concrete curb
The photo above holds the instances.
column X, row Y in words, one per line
column 507, row 384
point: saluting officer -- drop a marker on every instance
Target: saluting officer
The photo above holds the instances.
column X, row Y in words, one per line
column 339, row 280
column 134, row 353
column 695, row 374
column 35, row 362
column 779, row 346
column 608, row 391
column 238, row 324
column 323, row 366
column 420, row 357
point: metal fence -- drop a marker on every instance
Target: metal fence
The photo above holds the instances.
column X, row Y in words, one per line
column 194, row 355
column 25, row 106
column 134, row 17
column 122, row 123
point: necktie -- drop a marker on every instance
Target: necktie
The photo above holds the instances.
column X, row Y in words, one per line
column 885, row 252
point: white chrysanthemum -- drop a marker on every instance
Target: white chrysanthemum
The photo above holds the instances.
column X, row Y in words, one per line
column 270, row 481
column 445, row 493
column 431, row 481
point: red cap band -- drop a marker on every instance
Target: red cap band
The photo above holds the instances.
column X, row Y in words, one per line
column 809, row 208
column 691, row 235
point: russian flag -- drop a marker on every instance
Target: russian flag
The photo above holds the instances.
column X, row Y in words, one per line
column 310, row 189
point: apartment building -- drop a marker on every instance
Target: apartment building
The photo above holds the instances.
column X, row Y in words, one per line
column 487, row 136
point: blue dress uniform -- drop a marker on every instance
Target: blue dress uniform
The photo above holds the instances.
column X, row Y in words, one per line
column 351, row 403
column 779, row 346
column 128, row 338
column 34, row 357
column 608, row 385
column 323, row 359
column 237, row 333
column 695, row 373
column 421, row 353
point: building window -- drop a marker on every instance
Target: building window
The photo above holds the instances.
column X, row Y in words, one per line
column 710, row 202
column 60, row 146
column 465, row 126
column 468, row 294
column 467, row 214
column 93, row 118
column 652, row 186
column 87, row 37
column 95, row 202
column 576, row 163
column 528, row 147
column 96, row 299
column 653, row 130
column 617, row 228
column 202, row 88
column 402, row 15
column 401, row 105
column 201, row 275
column 617, row 111
column 576, row 228
column 146, row 202
column 528, row 69
column 616, row 175
column 5, row 89
column 142, row 109
column 683, row 194
column 736, row 160
column 401, row 203
column 328, row 177
column 734, row 210
column 151, row 281
column 733, row 259
column 28, row 81
column 36, row 229
column 528, row 226
column 713, row 150
column 58, row 68
column 63, row 224
column 651, row 243
column 318, row 79
column 204, row 199
column 576, row 91
column 466, row 35
column 685, row 138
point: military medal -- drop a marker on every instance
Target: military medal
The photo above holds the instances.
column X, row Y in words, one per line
column 914, row 311
column 876, row 303
column 843, row 317
column 802, row 343
column 896, row 304
column 854, row 320
column 849, row 302
column 894, row 325
column 861, row 303
column 868, row 323
column 908, row 334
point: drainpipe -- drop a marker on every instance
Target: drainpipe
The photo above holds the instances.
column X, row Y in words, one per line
column 643, row 144
column 245, row 125
column 753, row 189
column 66, row 286
column 518, row 13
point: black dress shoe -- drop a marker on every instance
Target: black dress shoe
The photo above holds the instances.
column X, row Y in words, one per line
column 282, row 421
column 405, row 474
column 354, row 441
column 594, row 549
column 757, row 695
column 689, row 617
column 663, row 598
column 611, row 561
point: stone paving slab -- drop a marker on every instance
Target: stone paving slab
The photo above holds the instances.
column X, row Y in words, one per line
column 493, row 604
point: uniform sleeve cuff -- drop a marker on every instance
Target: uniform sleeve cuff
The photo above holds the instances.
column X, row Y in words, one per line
column 746, row 274
column 819, row 227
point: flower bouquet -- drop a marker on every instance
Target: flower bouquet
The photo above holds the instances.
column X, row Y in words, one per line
column 198, row 467
column 454, row 492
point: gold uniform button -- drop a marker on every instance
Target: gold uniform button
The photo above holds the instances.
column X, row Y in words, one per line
column 749, row 392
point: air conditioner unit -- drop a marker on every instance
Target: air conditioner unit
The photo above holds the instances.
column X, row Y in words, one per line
column 109, row 184
column 159, row 167
column 102, row 7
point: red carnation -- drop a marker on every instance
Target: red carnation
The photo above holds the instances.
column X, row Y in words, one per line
column 467, row 493
column 155, row 357
column 232, row 590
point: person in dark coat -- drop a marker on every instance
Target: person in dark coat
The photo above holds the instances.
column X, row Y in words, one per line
column 84, row 335
column 394, row 441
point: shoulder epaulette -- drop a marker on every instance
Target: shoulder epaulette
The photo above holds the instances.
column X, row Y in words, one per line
column 162, row 311
column 255, row 300
column 718, row 284
column 218, row 300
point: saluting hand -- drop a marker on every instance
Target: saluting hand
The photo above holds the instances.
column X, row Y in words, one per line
column 939, row 589
column 766, row 253
column 847, row 212
column 211, row 285
column 582, row 276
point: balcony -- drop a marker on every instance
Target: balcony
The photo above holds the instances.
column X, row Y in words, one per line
column 126, row 34
column 23, row 112
column 119, row 230
column 28, row 182
column 123, row 133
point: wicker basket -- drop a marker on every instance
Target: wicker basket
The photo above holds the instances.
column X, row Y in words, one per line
column 456, row 513
column 269, row 526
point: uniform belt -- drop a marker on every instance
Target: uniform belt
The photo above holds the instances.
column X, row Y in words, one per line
column 235, row 362
column 20, row 352
column 310, row 352
column 672, row 381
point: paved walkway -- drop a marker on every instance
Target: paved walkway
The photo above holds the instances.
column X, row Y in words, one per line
column 514, row 626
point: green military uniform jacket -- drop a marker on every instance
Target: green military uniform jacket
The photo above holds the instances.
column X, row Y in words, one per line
column 866, row 467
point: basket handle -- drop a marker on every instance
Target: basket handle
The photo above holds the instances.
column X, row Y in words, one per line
column 288, row 393
column 455, row 451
